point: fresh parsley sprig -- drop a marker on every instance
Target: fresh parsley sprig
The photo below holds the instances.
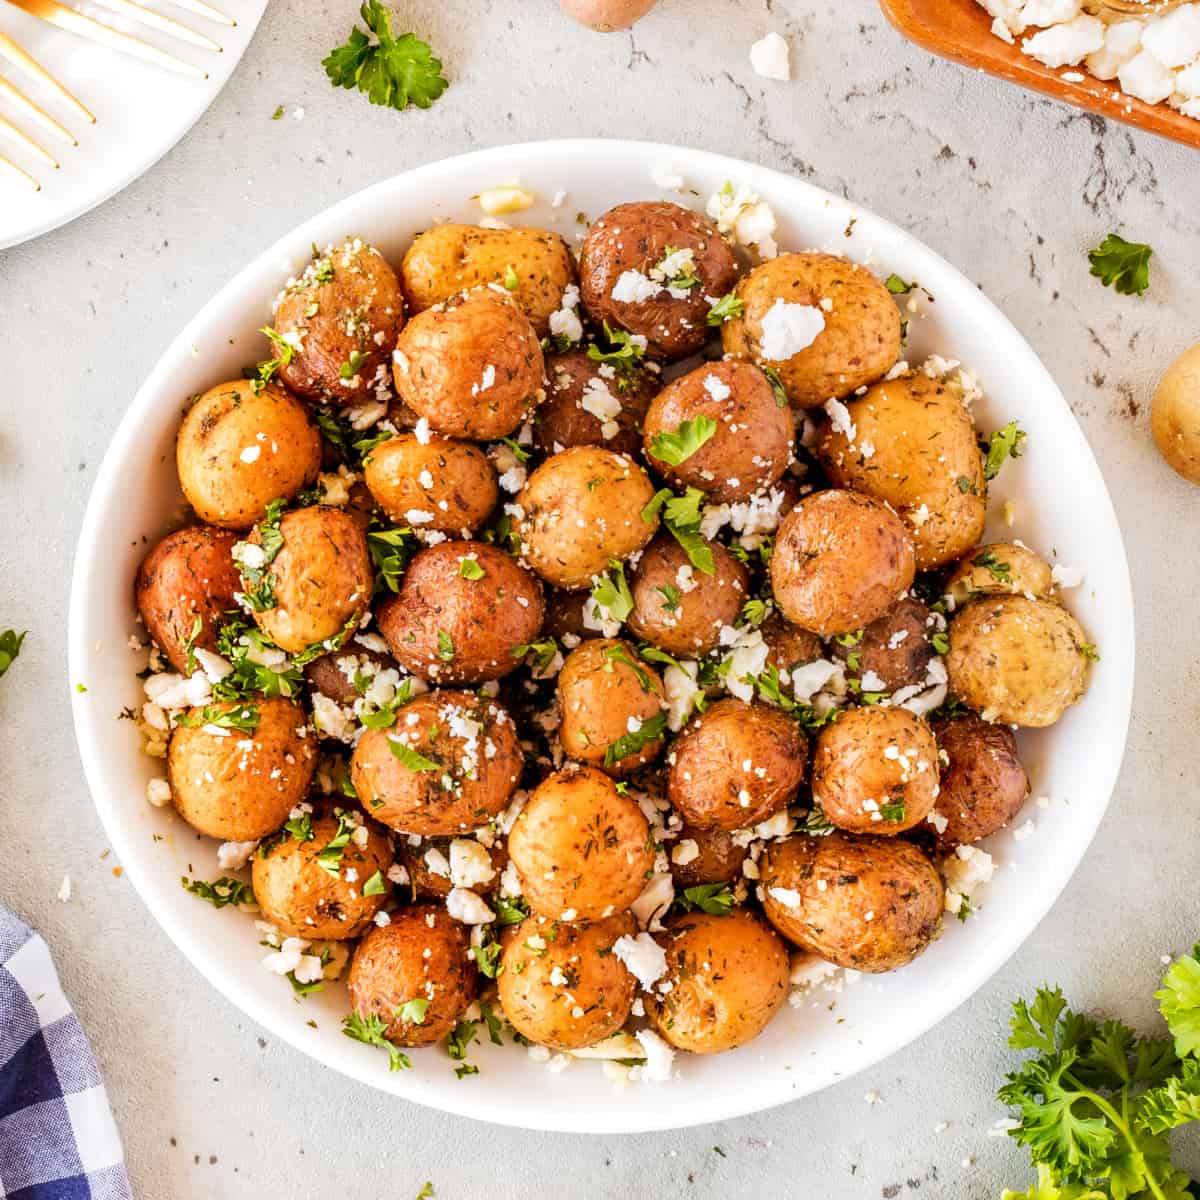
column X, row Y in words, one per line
column 219, row 892
column 10, row 647
column 678, row 447
column 371, row 1031
column 1004, row 444
column 1122, row 265
column 713, row 898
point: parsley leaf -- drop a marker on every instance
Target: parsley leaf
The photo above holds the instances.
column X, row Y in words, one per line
column 220, row 892
column 10, row 647
column 370, row 1031
column 681, row 516
column 445, row 646
column 999, row 570
column 754, row 611
column 895, row 810
column 671, row 596
column 1122, row 265
column 773, row 378
column 897, row 286
column 542, row 653
column 611, row 592
column 650, row 730
column 375, row 885
column 713, row 898
column 469, row 568
column 725, row 309
column 1179, row 1001
column 330, row 859
column 410, row 758
column 244, row 718
column 678, row 447
column 1004, row 444
column 413, row 1011
column 625, row 351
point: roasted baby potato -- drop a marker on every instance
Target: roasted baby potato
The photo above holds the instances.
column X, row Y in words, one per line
column 189, row 576
column 533, row 264
column 735, row 765
column 462, row 609
column 893, row 651
column 924, row 461
column 750, row 447
column 728, row 977
column 237, row 769
column 789, row 645
column 1000, row 568
column 867, row 903
column 1175, row 415
column 701, row 856
column 582, row 509
column 875, row 770
column 347, row 674
column 1017, row 661
column 564, row 618
column 420, row 955
column 435, row 865
column 649, row 268
column 448, row 764
column 581, row 849
column 239, row 449
column 472, row 367
column 840, row 560
column 824, row 324
column 561, row 985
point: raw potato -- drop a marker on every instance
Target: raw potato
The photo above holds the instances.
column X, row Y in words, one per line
column 447, row 627
column 437, row 484
column 343, row 315
column 925, row 462
column 735, row 765
column 1000, row 568
column 607, row 16
column 860, row 341
column 1175, row 415
column 302, row 899
column 323, row 578
column 239, row 449
column 841, row 560
column 1017, row 661
column 582, row 850
column 421, row 954
column 752, row 445
column 561, row 985
column 448, row 259
column 238, row 786
column 581, row 509
column 867, row 903
column 728, row 977
column 893, row 651
column 875, row 770
column 603, row 690
column 465, row 785
column 189, row 574
column 700, row 856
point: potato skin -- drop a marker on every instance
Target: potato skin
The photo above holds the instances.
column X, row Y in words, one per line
column 607, row 16
column 983, row 784
column 1000, row 568
column 416, row 801
column 867, row 903
column 729, row 977
column 585, row 488
column 752, row 446
column 595, row 997
column 447, row 259
column 257, row 778
column 719, row 858
column 326, row 676
column 860, row 341
column 358, row 310
column 564, row 618
column 426, row 884
column 189, row 574
column 691, row 627
column 485, row 619
column 391, row 966
column 635, row 237
column 472, row 368
column 926, row 462
column 1020, row 661
column 581, row 849
column 900, row 665
column 841, row 560
column 706, row 778
column 229, row 421
column 870, row 758
column 301, row 899
column 790, row 646
column 323, row 577
column 1175, row 415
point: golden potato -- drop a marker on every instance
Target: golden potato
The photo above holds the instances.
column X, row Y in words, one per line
column 607, row 16
column 533, row 264
column 735, row 765
column 924, row 462
column 436, row 484
column 420, row 955
column 462, row 609
column 700, row 856
column 892, row 652
column 561, row 985
column 843, row 319
column 867, row 903
column 728, row 977
column 875, row 770
column 840, row 560
column 1017, row 661
column 1175, row 415
column 1000, row 568
column 189, row 576
column 581, row 849
column 582, row 509
column 564, row 618
column 430, row 869
column 448, row 764
column 751, row 446
column 239, row 449
column 473, row 368
column 237, row 770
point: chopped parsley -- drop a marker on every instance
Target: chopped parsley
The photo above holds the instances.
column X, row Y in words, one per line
column 371, row 1032
column 243, row 645
column 330, row 859
column 375, row 885
column 258, row 582
column 1122, row 265
column 897, row 286
column 725, row 309
column 220, row 892
column 512, row 280
column 678, row 447
column 445, row 646
column 469, row 568
column 1004, row 444
column 940, row 643
column 189, row 645
column 1090, row 651
column 781, row 396
column 611, row 592
column 300, row 827
column 894, row 810
column 684, row 281
column 999, row 570
column 815, row 823
column 965, row 485
column 277, row 115
column 716, row 899
column 390, row 551
column 649, row 731
column 624, row 352
column 265, row 371
column 511, row 910
column 412, row 1012
column 10, row 647
column 409, row 758
column 244, row 718
column 671, row 596
column 352, row 365
column 754, row 611
column 619, row 654
column 542, row 653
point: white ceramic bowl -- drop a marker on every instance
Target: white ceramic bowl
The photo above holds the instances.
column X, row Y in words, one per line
column 1061, row 505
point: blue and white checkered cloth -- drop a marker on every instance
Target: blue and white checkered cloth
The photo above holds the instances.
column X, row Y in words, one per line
column 57, row 1136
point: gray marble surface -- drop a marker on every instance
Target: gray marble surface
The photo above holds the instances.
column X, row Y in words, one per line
column 1009, row 186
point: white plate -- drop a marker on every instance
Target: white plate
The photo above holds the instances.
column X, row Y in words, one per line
column 1061, row 504
column 141, row 109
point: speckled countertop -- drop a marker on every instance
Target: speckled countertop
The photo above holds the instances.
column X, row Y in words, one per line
column 1010, row 187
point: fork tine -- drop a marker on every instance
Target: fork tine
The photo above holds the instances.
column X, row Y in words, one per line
column 9, row 165
column 205, row 10
column 38, row 113
column 10, row 131
column 19, row 57
column 146, row 16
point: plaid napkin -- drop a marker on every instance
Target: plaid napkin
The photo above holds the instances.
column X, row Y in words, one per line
column 57, row 1136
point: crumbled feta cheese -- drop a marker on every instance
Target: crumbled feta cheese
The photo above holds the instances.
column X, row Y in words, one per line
column 470, row 863
column 632, row 287
column 643, row 956
column 659, row 1057
column 1066, row 577
column 1146, row 78
column 789, row 328
column 664, row 175
column 233, row 856
column 788, row 897
column 769, row 57
column 507, row 198
column 740, row 212
column 465, row 906
column 1068, row 43
column 64, row 889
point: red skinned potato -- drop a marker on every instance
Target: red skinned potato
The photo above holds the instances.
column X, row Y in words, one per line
column 607, row 16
